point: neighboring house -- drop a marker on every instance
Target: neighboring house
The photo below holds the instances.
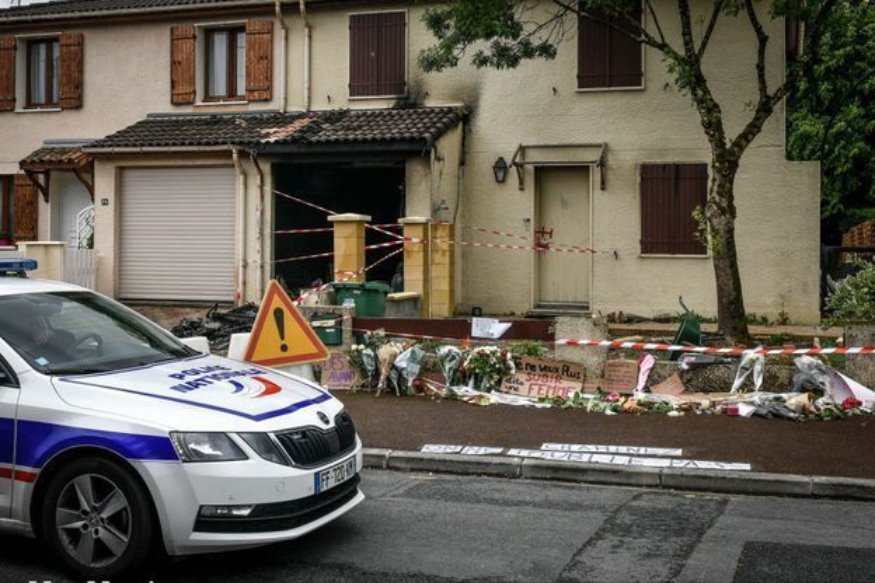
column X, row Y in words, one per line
column 194, row 111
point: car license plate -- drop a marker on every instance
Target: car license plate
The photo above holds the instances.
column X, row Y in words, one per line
column 327, row 479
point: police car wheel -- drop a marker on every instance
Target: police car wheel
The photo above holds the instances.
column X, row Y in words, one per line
column 96, row 517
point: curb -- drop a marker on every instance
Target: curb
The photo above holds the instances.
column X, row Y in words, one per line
column 749, row 483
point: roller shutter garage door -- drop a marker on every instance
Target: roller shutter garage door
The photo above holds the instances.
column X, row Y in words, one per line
column 177, row 234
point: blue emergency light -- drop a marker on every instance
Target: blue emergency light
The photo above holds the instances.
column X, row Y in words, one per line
column 16, row 265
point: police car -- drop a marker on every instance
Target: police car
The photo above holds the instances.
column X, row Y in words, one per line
column 117, row 439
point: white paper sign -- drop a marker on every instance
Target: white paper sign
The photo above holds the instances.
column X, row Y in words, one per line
column 626, row 449
column 488, row 328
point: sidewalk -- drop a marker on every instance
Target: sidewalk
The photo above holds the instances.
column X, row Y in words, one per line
column 815, row 458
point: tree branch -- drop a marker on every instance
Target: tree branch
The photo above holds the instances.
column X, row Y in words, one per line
column 767, row 104
column 636, row 31
column 656, row 21
column 762, row 42
column 712, row 23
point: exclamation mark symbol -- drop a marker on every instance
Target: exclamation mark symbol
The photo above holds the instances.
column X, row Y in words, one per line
column 280, row 319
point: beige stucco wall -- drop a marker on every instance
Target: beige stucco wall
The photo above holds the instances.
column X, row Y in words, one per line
column 538, row 103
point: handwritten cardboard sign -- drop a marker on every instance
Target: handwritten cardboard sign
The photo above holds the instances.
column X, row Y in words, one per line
column 620, row 376
column 337, row 374
column 538, row 377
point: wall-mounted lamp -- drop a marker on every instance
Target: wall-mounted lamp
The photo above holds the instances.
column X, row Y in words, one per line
column 499, row 169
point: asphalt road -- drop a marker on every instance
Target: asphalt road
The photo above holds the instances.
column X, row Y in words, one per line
column 435, row 529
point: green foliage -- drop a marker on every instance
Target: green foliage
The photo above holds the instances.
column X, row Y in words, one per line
column 533, row 348
column 831, row 117
column 852, row 300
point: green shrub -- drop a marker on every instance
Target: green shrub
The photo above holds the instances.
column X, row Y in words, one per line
column 852, row 300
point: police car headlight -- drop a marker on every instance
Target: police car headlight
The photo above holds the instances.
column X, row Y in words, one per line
column 263, row 445
column 206, row 447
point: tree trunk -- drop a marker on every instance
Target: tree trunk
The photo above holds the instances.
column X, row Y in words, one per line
column 720, row 212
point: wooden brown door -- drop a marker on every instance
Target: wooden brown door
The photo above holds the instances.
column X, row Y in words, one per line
column 25, row 209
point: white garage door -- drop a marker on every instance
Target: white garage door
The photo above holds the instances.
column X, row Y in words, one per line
column 177, row 234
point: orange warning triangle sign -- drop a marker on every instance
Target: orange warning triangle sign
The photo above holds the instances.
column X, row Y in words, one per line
column 281, row 335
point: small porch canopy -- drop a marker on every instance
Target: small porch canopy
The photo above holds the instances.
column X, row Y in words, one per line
column 39, row 164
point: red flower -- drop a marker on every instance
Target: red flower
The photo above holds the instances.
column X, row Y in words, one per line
column 851, row 403
column 614, row 397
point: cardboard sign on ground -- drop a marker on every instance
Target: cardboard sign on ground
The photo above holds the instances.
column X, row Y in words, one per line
column 337, row 374
column 538, row 377
column 620, row 376
column 281, row 335
column 672, row 386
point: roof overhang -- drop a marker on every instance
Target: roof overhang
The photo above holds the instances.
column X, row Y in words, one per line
column 39, row 164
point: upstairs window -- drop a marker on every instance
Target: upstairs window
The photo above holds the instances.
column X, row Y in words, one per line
column 670, row 194
column 378, row 54
column 43, row 73
column 225, row 64
column 608, row 57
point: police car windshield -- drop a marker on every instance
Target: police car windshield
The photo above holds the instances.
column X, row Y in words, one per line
column 81, row 332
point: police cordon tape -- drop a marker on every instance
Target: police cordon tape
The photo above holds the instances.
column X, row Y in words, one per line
column 525, row 238
column 647, row 346
column 553, row 247
column 300, row 231
column 329, row 253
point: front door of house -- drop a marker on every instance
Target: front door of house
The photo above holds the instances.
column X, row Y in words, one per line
column 71, row 200
column 562, row 222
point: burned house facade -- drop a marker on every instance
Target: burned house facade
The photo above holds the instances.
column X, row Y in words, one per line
column 193, row 131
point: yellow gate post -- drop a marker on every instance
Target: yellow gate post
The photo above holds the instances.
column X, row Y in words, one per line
column 349, row 246
column 416, row 260
column 443, row 264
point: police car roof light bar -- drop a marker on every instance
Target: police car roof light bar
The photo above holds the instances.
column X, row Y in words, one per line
column 17, row 265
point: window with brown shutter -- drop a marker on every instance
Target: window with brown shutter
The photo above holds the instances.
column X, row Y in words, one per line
column 7, row 73
column 43, row 73
column 5, row 209
column 259, row 61
column 608, row 57
column 71, row 70
column 25, row 205
column 225, row 63
column 182, row 64
column 378, row 54
column 670, row 193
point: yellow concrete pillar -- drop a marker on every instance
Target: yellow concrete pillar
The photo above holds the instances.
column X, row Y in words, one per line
column 349, row 246
column 416, row 260
column 443, row 269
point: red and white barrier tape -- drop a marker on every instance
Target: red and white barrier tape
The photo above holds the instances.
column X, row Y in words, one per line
column 553, row 246
column 303, row 257
column 551, row 249
column 734, row 351
column 304, row 202
column 383, row 245
column 297, row 231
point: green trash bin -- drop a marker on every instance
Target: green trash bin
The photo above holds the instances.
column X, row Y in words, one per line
column 369, row 297
column 327, row 328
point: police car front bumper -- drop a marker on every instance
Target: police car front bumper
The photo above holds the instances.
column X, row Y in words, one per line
column 280, row 502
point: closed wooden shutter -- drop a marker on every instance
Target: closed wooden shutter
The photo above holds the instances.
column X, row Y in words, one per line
column 259, row 62
column 670, row 193
column 182, row 64
column 26, row 209
column 7, row 73
column 607, row 57
column 71, row 70
column 378, row 54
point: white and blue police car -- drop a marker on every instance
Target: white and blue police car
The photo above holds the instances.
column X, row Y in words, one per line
column 118, row 440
